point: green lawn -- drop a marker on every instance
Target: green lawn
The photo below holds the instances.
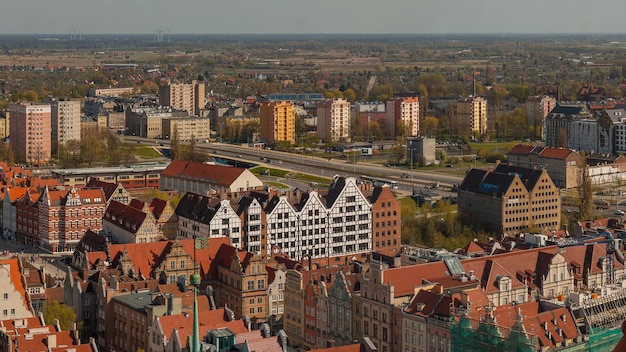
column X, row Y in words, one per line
column 145, row 152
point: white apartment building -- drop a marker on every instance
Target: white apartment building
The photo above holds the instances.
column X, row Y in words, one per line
column 333, row 120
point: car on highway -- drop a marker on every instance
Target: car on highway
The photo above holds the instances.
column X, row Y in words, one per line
column 619, row 212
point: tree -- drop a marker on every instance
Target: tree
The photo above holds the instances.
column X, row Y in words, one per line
column 64, row 314
column 429, row 126
column 349, row 95
column 585, row 190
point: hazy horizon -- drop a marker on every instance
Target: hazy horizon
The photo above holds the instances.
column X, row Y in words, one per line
column 321, row 17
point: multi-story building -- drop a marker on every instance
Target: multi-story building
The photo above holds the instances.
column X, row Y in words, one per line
column 188, row 176
column 65, row 121
column 471, row 116
column 5, row 119
column 65, row 216
column 111, row 92
column 366, row 113
column 131, row 223
column 333, row 120
column 558, row 125
column 511, row 199
column 421, row 149
column 116, row 121
column 29, row 127
column 148, row 122
column 563, row 165
column 187, row 129
column 276, row 278
column 537, row 108
column 188, row 97
column 278, row 121
column 346, row 221
column 243, row 282
column 130, row 176
column 204, row 217
column 14, row 303
column 404, row 113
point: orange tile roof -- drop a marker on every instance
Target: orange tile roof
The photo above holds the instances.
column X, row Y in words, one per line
column 556, row 153
column 256, row 341
column 11, row 325
column 521, row 149
column 399, row 277
column 348, row 348
column 208, row 320
column 16, row 278
column 38, row 343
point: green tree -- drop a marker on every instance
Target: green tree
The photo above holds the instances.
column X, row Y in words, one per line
column 64, row 314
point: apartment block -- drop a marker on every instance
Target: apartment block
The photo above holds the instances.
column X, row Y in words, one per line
column 30, row 127
column 471, row 116
column 404, row 114
column 65, row 121
column 537, row 108
column 333, row 120
column 5, row 119
column 189, row 97
column 278, row 121
column 187, row 129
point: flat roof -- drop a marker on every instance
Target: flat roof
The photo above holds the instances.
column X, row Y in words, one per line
column 113, row 170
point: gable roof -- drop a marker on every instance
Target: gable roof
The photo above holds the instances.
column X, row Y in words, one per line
column 211, row 174
column 124, row 216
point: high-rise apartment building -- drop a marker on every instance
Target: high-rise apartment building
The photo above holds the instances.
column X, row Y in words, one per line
column 537, row 108
column 471, row 116
column 29, row 128
column 65, row 121
column 333, row 120
column 189, row 97
column 278, row 121
column 404, row 113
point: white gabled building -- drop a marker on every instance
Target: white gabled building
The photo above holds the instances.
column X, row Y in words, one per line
column 204, row 217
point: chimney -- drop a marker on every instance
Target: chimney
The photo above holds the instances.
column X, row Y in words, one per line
column 51, row 341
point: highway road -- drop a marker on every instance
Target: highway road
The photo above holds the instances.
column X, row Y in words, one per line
column 317, row 165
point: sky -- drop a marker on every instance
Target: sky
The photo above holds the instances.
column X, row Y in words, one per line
column 311, row 16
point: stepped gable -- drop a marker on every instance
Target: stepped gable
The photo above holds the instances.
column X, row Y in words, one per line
column 145, row 256
column 16, row 277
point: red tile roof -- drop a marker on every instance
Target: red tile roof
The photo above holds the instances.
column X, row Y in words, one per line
column 256, row 341
column 208, row 320
column 38, row 342
column 16, row 278
column 213, row 174
column 556, row 153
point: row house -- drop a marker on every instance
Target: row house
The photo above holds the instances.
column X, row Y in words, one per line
column 314, row 311
column 201, row 216
column 129, row 224
column 65, row 216
column 276, row 278
column 9, row 210
column 514, row 277
column 15, row 303
column 243, row 284
column 112, row 191
column 330, row 226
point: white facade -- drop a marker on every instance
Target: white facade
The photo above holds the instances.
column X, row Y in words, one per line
column 13, row 304
column 65, row 121
column 253, row 224
column 317, row 231
column 333, row 118
column 225, row 222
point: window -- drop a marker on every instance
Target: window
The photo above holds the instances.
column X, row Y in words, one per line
column 260, row 284
column 5, row 296
column 251, row 285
